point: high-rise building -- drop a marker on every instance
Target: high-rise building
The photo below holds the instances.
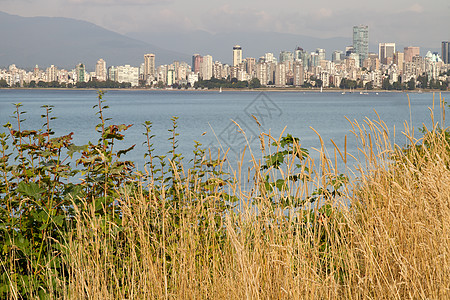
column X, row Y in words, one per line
column 80, row 71
column 237, row 55
column 269, row 58
column 337, row 56
column 112, row 73
column 410, row 52
column 446, row 52
column 100, row 70
column 280, row 75
column 197, row 60
column 149, row 66
column 251, row 65
column 207, row 67
column 361, row 41
column 321, row 53
column 399, row 59
column 129, row 74
column 286, row 56
column 51, row 73
column 386, row 52
column 349, row 50
column 298, row 74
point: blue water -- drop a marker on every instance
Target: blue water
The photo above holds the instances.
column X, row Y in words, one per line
column 212, row 112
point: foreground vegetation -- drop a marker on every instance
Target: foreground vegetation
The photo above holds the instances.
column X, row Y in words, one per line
column 295, row 228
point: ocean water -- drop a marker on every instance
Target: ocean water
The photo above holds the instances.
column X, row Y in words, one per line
column 209, row 116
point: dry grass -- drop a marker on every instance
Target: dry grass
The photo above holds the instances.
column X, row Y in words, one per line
column 389, row 241
column 386, row 235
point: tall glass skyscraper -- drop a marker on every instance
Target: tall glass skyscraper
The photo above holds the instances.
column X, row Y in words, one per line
column 361, row 42
column 446, row 52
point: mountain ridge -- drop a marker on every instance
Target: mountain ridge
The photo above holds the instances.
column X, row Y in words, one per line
column 65, row 42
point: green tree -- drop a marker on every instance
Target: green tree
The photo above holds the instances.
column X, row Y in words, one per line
column 411, row 84
column 422, row 81
column 254, row 83
column 386, row 85
column 3, row 83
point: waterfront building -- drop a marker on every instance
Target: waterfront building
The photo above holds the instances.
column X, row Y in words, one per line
column 410, row 52
column 399, row 58
column 149, row 67
column 217, row 70
column 100, row 70
column 299, row 77
column 280, row 75
column 234, row 70
column 192, row 79
column 80, row 73
column 250, row 66
column 386, row 52
column 51, row 73
column 170, row 77
column 197, row 60
column 112, row 73
column 129, row 74
column 262, row 73
column 237, row 55
column 206, row 69
column 361, row 41
column 446, row 52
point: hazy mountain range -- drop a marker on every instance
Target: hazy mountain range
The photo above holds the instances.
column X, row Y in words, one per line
column 64, row 42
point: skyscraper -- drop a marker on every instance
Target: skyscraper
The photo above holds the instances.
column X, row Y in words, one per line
column 237, row 55
column 100, row 70
column 321, row 53
column 446, row 52
column 149, row 66
column 337, row 56
column 361, row 41
column 410, row 52
column 386, row 52
column 80, row 70
column 207, row 67
column 197, row 60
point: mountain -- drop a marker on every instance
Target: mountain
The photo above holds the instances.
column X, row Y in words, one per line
column 65, row 42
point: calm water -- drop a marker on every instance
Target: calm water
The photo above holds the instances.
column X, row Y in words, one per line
column 212, row 112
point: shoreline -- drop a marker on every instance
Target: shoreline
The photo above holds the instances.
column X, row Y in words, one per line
column 271, row 89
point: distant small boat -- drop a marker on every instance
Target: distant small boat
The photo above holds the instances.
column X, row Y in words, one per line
column 343, row 93
column 321, row 89
column 220, row 90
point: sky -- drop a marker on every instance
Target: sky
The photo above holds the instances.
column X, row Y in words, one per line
column 407, row 22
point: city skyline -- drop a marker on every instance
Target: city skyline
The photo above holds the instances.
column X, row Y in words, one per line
column 406, row 22
column 387, row 69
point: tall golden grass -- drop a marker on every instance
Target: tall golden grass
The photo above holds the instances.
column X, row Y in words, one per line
column 386, row 235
